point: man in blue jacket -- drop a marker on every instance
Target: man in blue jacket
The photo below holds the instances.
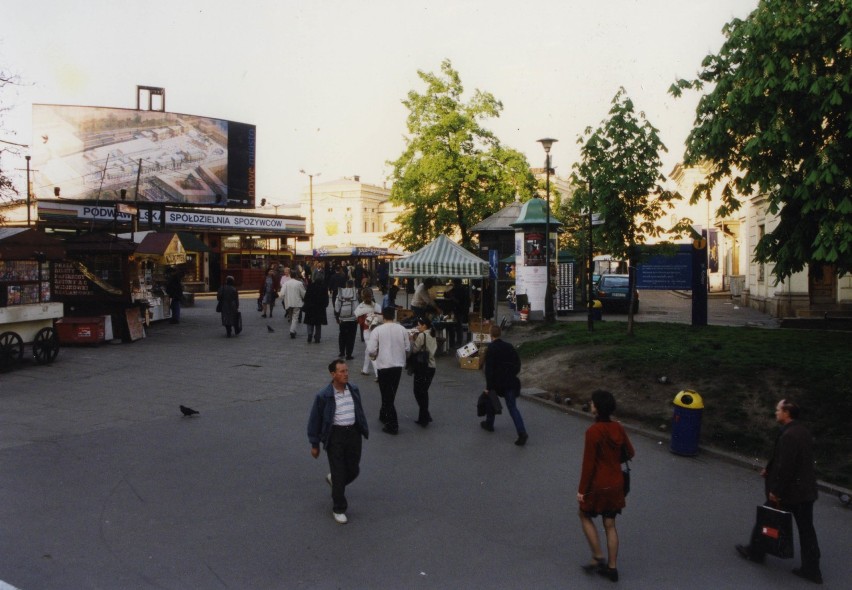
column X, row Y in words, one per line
column 338, row 421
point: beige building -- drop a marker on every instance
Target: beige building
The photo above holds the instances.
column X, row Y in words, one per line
column 811, row 291
column 347, row 212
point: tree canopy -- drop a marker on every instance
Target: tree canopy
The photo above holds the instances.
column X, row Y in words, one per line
column 7, row 186
column 453, row 172
column 776, row 123
column 619, row 177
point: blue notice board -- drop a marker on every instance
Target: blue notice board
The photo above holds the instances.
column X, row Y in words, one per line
column 665, row 272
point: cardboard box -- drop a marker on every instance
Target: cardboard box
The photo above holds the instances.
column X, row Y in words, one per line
column 478, row 326
column 403, row 314
column 469, row 362
column 468, row 350
column 483, row 348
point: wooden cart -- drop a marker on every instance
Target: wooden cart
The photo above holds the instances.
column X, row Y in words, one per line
column 27, row 311
column 32, row 325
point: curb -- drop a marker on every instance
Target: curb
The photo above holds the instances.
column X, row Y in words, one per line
column 738, row 460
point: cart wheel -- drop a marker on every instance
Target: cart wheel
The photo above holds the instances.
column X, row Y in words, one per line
column 45, row 346
column 11, row 350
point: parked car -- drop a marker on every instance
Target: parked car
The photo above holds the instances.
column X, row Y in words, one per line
column 613, row 291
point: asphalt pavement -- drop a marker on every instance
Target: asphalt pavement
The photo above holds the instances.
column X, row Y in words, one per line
column 103, row 483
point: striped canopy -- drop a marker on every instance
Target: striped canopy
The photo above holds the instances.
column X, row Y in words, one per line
column 443, row 258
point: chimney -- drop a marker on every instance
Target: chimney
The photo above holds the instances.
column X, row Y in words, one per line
column 357, row 178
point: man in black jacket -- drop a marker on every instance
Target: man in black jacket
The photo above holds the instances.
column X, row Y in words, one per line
column 791, row 486
column 502, row 365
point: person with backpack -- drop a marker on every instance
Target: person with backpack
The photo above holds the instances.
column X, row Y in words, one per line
column 344, row 313
column 369, row 315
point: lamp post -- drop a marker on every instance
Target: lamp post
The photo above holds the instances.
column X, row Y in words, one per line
column 29, row 193
column 311, row 196
column 546, row 143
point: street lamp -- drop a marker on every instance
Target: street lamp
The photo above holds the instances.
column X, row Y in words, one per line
column 311, row 212
column 548, row 292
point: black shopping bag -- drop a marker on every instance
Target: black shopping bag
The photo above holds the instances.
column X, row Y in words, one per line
column 776, row 532
column 238, row 323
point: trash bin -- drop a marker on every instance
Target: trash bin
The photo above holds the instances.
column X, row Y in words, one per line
column 597, row 310
column 686, row 423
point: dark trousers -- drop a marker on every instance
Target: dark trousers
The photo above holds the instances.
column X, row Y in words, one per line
column 510, row 396
column 804, row 515
column 346, row 339
column 422, row 380
column 388, row 384
column 315, row 331
column 175, row 307
column 344, row 459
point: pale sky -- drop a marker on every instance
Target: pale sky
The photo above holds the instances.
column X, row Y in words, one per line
column 323, row 80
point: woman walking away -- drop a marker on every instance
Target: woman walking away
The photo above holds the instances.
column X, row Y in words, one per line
column 369, row 315
column 269, row 293
column 601, row 489
column 315, row 305
column 423, row 341
column 344, row 313
column 229, row 306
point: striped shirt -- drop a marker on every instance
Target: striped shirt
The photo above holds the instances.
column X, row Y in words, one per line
column 344, row 408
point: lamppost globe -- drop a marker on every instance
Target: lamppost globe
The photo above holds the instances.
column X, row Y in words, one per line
column 549, row 316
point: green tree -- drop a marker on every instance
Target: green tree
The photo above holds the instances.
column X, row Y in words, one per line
column 776, row 123
column 453, row 172
column 619, row 177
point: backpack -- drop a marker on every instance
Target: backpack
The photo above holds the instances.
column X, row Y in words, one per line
column 347, row 308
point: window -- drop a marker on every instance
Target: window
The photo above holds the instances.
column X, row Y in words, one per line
column 761, row 268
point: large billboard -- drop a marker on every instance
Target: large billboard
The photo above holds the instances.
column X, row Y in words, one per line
column 93, row 153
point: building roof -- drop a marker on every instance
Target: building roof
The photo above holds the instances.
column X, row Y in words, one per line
column 500, row 221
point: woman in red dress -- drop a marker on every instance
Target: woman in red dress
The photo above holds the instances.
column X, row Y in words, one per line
column 601, row 489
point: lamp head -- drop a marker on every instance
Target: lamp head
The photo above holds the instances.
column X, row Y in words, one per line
column 546, row 143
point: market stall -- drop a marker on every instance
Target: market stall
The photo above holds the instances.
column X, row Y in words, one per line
column 441, row 259
column 27, row 312
column 156, row 253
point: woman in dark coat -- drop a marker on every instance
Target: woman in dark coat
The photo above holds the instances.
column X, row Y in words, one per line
column 315, row 305
column 229, row 300
column 601, row 489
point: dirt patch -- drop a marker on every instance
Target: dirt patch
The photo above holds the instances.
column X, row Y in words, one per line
column 568, row 377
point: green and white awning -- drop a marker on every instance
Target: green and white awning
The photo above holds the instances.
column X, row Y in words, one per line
column 443, row 258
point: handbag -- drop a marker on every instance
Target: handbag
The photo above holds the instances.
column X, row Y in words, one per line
column 776, row 532
column 238, row 323
column 486, row 399
column 219, row 307
column 625, row 470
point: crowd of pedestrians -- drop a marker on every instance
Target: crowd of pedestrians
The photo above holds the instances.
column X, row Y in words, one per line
column 338, row 423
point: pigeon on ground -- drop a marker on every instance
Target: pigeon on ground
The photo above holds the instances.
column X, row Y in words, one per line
column 269, row 328
column 187, row 411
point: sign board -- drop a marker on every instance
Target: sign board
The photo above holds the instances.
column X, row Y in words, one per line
column 665, row 271
column 134, row 324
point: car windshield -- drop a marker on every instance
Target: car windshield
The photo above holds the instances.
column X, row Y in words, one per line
column 611, row 282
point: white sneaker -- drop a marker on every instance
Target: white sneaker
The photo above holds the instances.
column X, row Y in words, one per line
column 328, row 478
column 340, row 517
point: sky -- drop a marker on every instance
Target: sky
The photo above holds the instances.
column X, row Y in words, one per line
column 324, row 80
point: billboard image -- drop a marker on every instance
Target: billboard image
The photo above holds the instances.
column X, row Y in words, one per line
column 95, row 152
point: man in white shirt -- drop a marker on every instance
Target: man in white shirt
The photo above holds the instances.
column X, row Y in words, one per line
column 293, row 293
column 388, row 347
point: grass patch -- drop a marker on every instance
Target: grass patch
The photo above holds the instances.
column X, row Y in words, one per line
column 740, row 372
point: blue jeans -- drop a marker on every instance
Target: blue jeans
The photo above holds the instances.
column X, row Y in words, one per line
column 510, row 396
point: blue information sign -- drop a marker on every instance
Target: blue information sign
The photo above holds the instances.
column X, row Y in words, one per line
column 665, row 272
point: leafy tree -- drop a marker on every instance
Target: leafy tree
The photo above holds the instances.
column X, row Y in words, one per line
column 776, row 123
column 619, row 177
column 453, row 172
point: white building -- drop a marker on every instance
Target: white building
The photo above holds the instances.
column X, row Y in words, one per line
column 811, row 291
column 348, row 212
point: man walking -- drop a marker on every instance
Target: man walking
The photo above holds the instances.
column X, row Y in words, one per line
column 502, row 365
column 293, row 293
column 790, row 485
column 338, row 422
column 388, row 347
